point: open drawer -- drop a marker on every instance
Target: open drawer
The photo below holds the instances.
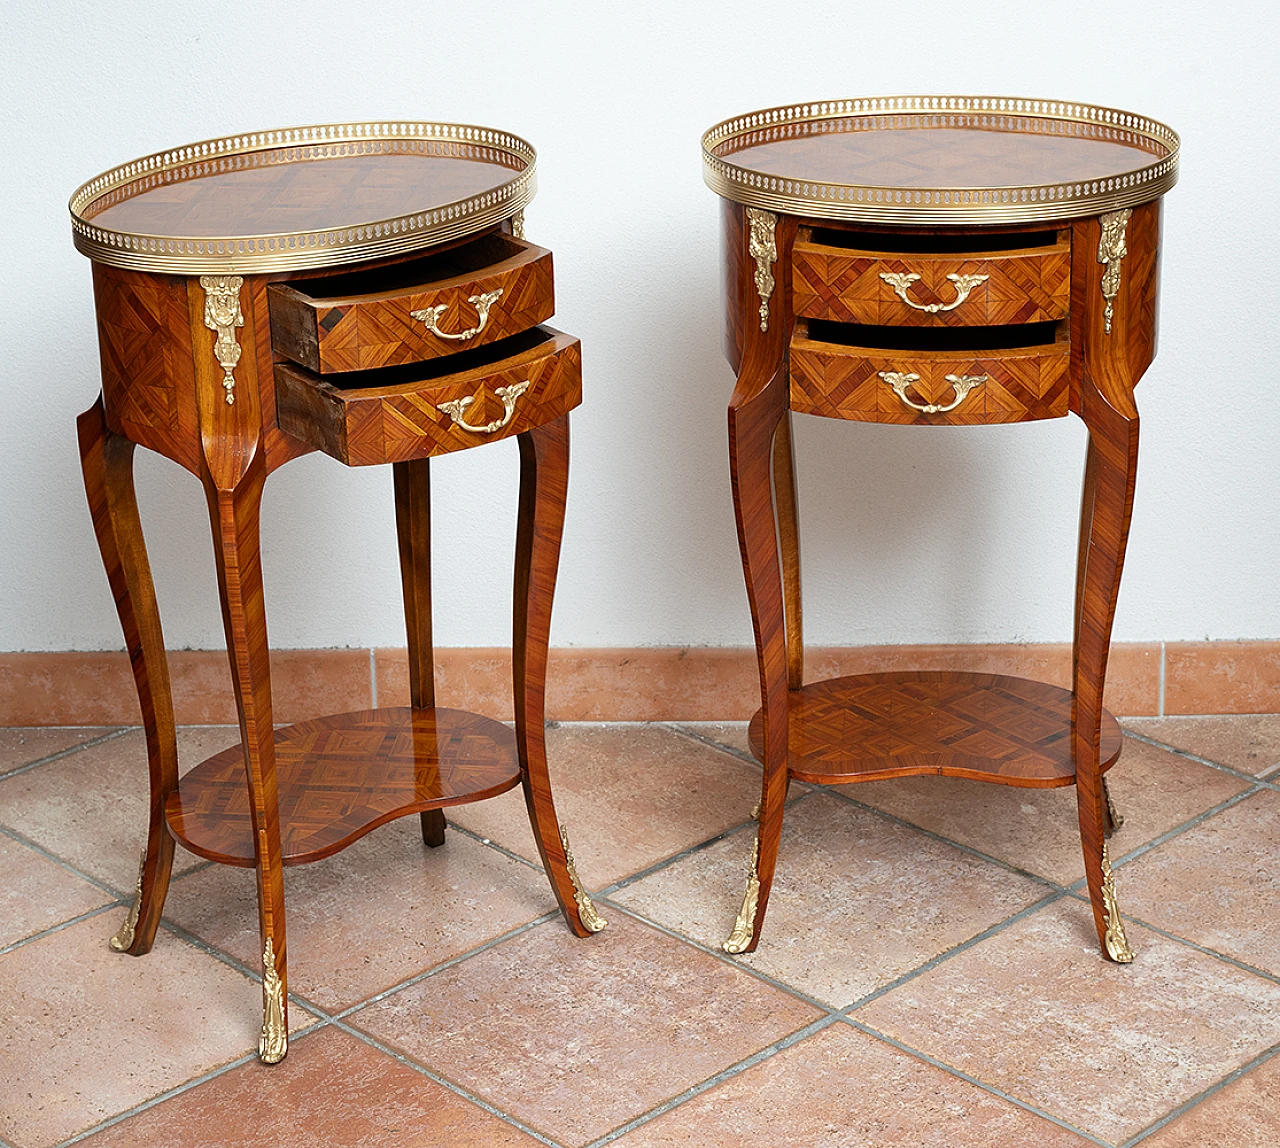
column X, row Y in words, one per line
column 399, row 413
column 475, row 293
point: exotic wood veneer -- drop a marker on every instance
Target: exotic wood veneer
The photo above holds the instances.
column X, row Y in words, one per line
column 932, row 261
column 364, row 290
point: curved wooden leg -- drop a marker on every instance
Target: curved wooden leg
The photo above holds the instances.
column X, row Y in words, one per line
column 784, row 493
column 752, row 427
column 1110, row 475
column 235, row 517
column 412, row 481
column 544, row 479
column 107, row 462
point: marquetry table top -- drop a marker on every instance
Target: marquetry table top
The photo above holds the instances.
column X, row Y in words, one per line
column 941, row 159
column 313, row 196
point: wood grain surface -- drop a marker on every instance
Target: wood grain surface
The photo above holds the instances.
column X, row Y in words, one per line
column 395, row 421
column 339, row 777
column 845, row 286
column 359, row 322
column 981, row 726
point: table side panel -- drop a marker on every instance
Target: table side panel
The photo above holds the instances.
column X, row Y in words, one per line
column 145, row 348
column 734, row 279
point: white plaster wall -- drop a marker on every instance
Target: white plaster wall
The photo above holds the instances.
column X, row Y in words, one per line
column 909, row 536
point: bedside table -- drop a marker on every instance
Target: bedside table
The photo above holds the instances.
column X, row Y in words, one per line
column 936, row 261
column 365, row 290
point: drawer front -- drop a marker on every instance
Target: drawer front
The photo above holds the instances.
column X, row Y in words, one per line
column 858, row 383
column 415, row 321
column 376, row 424
column 931, row 290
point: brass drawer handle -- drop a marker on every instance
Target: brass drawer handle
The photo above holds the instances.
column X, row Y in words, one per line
column 901, row 284
column 456, row 408
column 430, row 316
column 963, row 384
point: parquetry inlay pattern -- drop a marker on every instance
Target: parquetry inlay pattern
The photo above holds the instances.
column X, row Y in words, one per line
column 944, row 722
column 395, row 424
column 340, row 776
column 846, row 287
column 381, row 332
column 137, row 321
column 845, row 383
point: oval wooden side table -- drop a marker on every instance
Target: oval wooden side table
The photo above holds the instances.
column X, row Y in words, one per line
column 936, row 261
column 365, row 290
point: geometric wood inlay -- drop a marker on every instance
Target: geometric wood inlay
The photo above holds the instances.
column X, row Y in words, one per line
column 843, row 382
column 1024, row 286
column 341, row 776
column 982, row 726
column 370, row 425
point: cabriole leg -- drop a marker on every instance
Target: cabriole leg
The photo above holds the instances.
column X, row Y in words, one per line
column 752, row 427
column 544, row 477
column 1110, row 475
column 107, row 463
column 235, row 519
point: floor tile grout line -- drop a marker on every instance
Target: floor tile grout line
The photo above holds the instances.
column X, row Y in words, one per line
column 68, row 752
column 153, row 1101
column 458, row 1089
column 702, row 739
column 1008, row 866
column 689, row 851
column 1189, row 756
column 1146, row 847
column 992, row 1089
column 117, row 894
column 736, row 1069
column 425, row 974
column 488, row 842
column 1226, row 958
column 40, row 936
column 200, row 867
column 1187, row 1105
column 251, row 974
column 955, row 950
column 727, row 959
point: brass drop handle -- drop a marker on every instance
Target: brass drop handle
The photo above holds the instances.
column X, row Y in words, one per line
column 456, row 408
column 963, row 384
column 901, row 284
column 430, row 316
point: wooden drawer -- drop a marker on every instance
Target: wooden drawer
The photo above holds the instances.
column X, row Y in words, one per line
column 848, row 382
column 425, row 308
column 1028, row 281
column 401, row 413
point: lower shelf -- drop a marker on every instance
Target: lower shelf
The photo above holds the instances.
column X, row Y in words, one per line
column 339, row 777
column 981, row 726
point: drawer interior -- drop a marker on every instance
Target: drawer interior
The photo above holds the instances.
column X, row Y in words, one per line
column 464, row 260
column 406, row 374
column 976, row 244
column 889, row 338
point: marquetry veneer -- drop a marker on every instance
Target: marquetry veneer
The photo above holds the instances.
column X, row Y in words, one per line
column 368, row 294
column 935, row 261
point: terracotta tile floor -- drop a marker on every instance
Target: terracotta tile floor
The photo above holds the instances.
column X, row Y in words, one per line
column 928, row 974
